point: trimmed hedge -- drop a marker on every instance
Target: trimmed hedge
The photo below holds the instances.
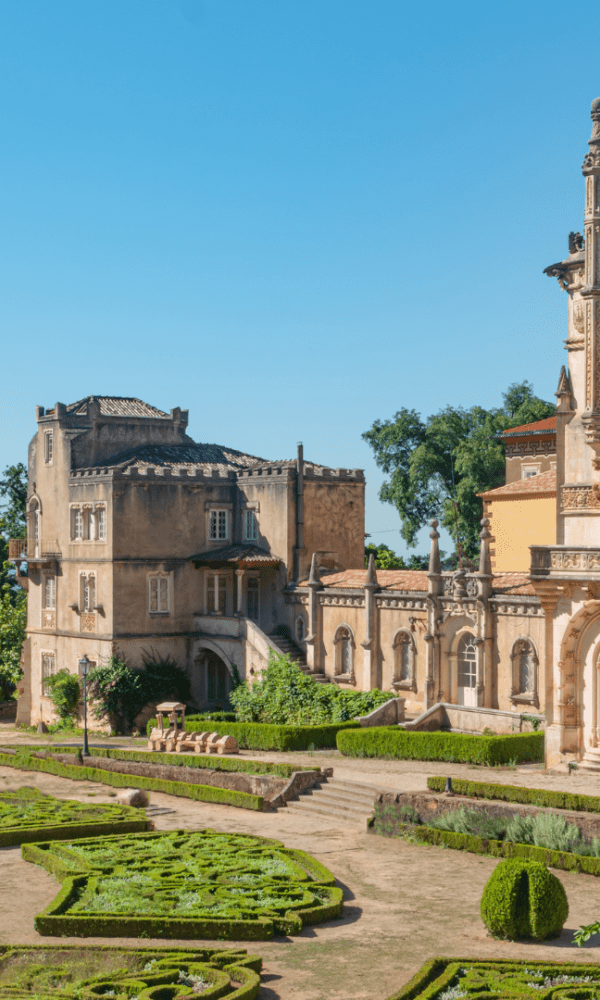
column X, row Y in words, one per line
column 201, row 793
column 510, row 793
column 48, row 818
column 128, row 971
column 392, row 742
column 490, row 977
column 522, row 899
column 186, row 885
column 261, row 736
column 563, row 860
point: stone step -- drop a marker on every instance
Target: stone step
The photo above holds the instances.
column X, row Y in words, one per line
column 339, row 799
column 344, row 797
column 357, row 816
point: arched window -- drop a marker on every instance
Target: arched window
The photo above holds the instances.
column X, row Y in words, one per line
column 344, row 652
column 524, row 671
column 404, row 660
column 35, row 525
column 300, row 629
column 466, row 678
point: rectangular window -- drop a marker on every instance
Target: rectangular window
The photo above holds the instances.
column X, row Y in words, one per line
column 101, row 524
column 218, row 525
column 159, row 594
column 76, row 524
column 48, row 447
column 251, row 526
column 216, row 594
column 527, row 471
column 49, row 593
column 252, row 596
column 48, row 668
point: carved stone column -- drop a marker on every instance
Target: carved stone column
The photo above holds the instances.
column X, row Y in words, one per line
column 432, row 641
column 369, row 644
column 590, row 293
column 312, row 639
column 240, row 592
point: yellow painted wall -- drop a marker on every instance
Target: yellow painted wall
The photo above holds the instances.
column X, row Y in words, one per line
column 517, row 524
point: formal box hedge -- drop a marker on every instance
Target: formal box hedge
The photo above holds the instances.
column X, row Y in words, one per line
column 450, row 978
column 201, row 793
column 199, row 884
column 543, row 797
column 77, row 972
column 391, row 742
column 27, row 815
column 262, row 736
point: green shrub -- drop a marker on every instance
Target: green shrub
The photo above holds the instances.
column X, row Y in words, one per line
column 27, row 815
column 523, row 899
column 512, row 793
column 120, row 693
column 286, row 696
column 64, row 692
column 470, row 821
column 184, row 884
column 391, row 742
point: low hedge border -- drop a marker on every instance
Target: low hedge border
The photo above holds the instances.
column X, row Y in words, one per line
column 262, row 736
column 395, row 743
column 81, row 875
column 232, row 971
column 563, row 860
column 43, row 825
column 438, row 974
column 214, row 762
column 201, row 793
column 526, row 796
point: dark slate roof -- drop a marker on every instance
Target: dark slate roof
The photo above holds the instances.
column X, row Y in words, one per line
column 182, row 456
column 242, row 555
column 117, row 406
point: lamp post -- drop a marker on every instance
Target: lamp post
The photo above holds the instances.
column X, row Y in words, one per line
column 84, row 669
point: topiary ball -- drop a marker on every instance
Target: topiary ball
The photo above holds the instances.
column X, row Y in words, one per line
column 523, row 899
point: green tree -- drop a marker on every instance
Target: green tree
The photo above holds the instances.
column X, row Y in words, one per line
column 64, row 690
column 13, row 599
column 386, row 558
column 436, row 467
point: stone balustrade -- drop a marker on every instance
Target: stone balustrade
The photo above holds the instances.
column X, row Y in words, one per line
column 565, row 560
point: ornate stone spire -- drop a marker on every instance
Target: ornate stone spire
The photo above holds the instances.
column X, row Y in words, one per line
column 434, row 554
column 590, row 293
column 371, row 580
column 564, row 391
column 485, row 565
column 314, row 579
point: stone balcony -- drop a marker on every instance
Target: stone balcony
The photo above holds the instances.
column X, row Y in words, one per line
column 22, row 550
column 570, row 562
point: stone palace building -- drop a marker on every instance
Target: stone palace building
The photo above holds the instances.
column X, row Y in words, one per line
column 142, row 541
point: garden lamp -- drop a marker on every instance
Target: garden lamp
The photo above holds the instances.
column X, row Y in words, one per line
column 84, row 669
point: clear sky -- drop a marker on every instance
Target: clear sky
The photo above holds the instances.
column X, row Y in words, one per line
column 290, row 216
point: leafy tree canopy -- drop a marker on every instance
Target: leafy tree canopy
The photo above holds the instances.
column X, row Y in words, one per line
column 385, row 558
column 13, row 599
column 437, row 466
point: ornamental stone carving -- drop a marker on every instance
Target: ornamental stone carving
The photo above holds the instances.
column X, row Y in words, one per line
column 580, row 561
column 87, row 623
column 580, row 498
column 48, row 619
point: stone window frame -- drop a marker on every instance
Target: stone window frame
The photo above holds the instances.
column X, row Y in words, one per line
column 402, row 638
column 300, row 628
column 216, row 509
column 220, row 575
column 338, row 653
column 87, row 577
column 34, row 525
column 530, row 470
column 160, row 577
column 516, row 695
column 251, row 530
column 48, row 577
column 256, row 578
column 46, row 655
column 90, row 522
column 48, row 447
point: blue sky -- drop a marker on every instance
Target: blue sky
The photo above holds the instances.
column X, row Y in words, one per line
column 292, row 217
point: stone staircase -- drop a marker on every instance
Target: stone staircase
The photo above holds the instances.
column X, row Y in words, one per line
column 346, row 802
column 287, row 645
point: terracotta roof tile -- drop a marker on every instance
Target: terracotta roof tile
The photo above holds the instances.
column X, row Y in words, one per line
column 544, row 483
column 512, row 583
column 416, row 580
column 548, row 425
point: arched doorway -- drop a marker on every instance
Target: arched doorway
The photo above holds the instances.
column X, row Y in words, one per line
column 211, row 681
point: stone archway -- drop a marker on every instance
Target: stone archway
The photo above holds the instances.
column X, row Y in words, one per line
column 576, row 710
column 212, row 676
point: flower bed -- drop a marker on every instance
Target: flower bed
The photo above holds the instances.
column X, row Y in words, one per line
column 27, row 815
column 453, row 978
column 262, row 736
column 73, row 972
column 391, row 742
column 199, row 884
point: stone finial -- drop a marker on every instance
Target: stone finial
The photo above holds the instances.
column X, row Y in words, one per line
column 314, row 579
column 591, row 162
column 485, row 565
column 434, row 555
column 371, row 580
column 564, row 390
column 576, row 242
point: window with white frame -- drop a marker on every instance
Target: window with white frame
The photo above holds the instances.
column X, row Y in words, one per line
column 251, row 525
column 88, row 523
column 76, row 524
column 49, row 592
column 218, row 525
column 159, row 593
column 101, row 524
column 252, row 599
column 48, row 669
column 216, row 594
column 527, row 471
column 35, row 515
column 48, row 447
column 88, row 593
